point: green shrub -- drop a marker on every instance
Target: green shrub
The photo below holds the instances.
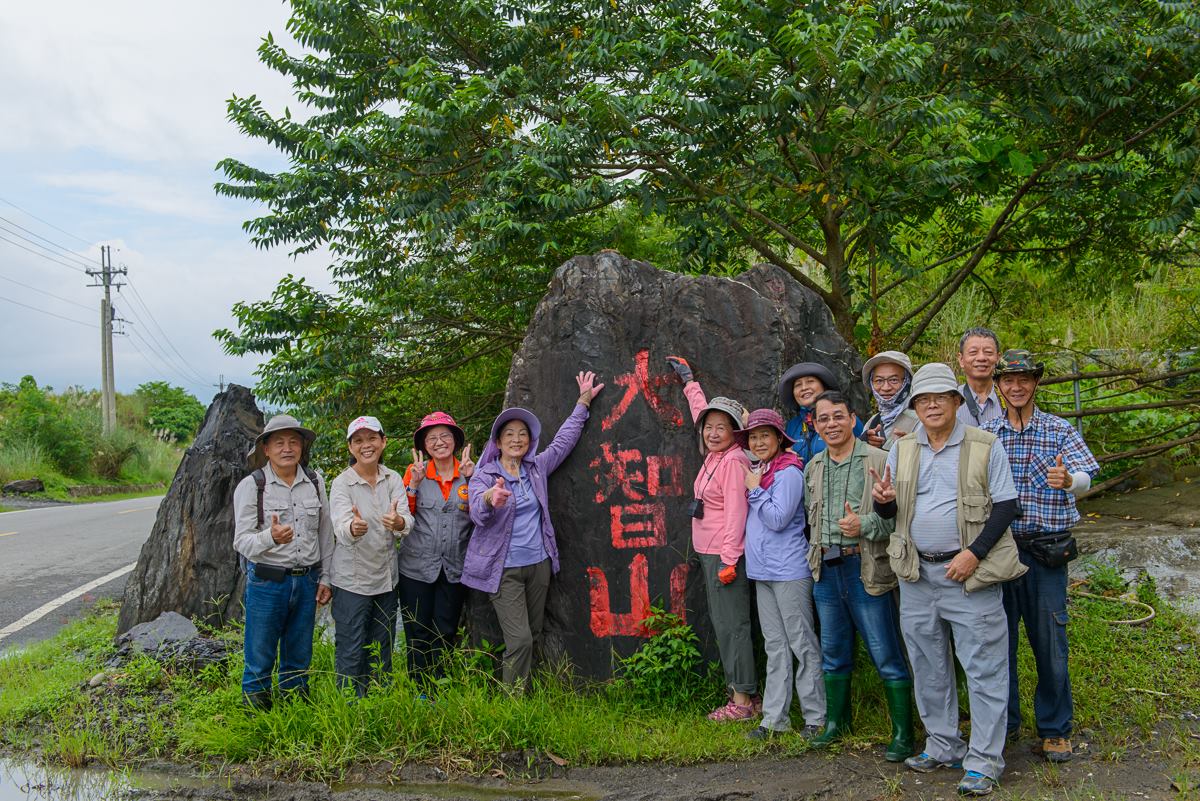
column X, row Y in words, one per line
column 155, row 462
column 668, row 669
column 21, row 459
column 112, row 452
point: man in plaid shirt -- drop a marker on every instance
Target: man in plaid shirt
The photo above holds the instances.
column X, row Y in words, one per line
column 1051, row 466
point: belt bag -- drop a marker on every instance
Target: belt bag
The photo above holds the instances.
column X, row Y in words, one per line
column 1052, row 550
column 270, row 572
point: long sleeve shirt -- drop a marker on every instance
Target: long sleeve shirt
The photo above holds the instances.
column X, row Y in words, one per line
column 1031, row 453
column 301, row 505
column 366, row 565
column 776, row 548
column 721, row 484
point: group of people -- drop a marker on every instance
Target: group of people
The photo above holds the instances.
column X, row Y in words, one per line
column 930, row 530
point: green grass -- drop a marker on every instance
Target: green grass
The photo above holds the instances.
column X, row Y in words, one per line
column 1127, row 680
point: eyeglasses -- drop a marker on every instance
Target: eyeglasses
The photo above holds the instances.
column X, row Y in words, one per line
column 838, row 417
column 439, row 438
column 921, row 401
column 893, row 381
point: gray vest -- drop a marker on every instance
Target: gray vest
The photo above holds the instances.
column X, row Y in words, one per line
column 438, row 540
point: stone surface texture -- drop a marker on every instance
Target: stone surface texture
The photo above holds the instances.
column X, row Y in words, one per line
column 618, row 502
column 24, row 485
column 188, row 564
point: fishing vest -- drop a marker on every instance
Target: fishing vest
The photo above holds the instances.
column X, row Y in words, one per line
column 441, row 528
column 974, row 505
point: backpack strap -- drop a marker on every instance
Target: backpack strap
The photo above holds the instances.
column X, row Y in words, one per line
column 260, row 481
column 972, row 404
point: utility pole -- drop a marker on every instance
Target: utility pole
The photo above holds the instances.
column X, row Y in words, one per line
column 221, row 382
column 108, row 392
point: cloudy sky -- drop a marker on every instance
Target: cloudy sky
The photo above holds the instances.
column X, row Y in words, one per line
column 112, row 122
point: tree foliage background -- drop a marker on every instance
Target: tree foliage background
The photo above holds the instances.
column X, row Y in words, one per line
column 914, row 163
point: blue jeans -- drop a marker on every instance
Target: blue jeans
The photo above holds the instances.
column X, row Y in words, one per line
column 279, row 620
column 843, row 607
column 1040, row 597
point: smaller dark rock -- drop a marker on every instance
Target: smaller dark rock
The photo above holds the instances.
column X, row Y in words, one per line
column 24, row 486
column 169, row 627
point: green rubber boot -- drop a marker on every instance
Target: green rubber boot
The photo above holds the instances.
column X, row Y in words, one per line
column 899, row 701
column 837, row 709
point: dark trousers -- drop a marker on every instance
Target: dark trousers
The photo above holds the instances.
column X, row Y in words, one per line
column 430, row 612
column 364, row 637
column 1040, row 598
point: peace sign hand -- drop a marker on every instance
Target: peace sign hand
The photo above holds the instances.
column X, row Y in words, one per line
column 466, row 467
column 882, row 490
column 418, row 465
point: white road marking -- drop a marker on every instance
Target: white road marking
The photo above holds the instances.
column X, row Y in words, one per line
column 8, row 534
column 141, row 509
column 47, row 608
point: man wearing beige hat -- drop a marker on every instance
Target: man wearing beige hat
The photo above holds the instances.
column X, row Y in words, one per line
column 953, row 498
column 283, row 531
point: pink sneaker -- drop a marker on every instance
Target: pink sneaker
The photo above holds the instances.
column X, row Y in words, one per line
column 731, row 712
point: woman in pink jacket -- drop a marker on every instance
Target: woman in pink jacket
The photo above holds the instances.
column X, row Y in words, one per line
column 718, row 510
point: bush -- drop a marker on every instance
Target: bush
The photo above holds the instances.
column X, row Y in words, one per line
column 170, row 409
column 667, row 670
column 112, row 452
column 66, row 428
column 22, row 459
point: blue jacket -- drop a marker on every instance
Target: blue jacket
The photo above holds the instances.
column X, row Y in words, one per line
column 808, row 441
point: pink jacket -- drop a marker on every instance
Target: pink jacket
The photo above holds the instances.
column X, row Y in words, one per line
column 721, row 484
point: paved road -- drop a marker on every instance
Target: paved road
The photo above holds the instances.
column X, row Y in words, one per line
column 49, row 552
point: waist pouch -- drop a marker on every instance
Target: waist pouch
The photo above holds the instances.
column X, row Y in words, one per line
column 1055, row 549
column 270, row 572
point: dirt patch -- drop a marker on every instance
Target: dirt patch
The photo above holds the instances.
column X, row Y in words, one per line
column 1141, row 772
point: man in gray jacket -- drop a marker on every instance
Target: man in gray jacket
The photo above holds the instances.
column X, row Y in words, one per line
column 282, row 529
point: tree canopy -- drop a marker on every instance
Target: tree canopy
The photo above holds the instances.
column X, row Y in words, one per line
column 450, row 154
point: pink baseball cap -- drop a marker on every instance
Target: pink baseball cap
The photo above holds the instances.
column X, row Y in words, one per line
column 366, row 421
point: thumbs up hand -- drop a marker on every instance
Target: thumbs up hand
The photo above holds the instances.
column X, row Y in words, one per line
column 392, row 519
column 882, row 490
column 280, row 533
column 358, row 526
column 466, row 467
column 497, row 495
column 875, row 437
column 851, row 524
column 1058, row 477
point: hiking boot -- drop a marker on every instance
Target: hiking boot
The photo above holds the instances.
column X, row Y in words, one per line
column 837, row 709
column 899, row 702
column 760, row 733
column 1057, row 749
column 732, row 712
column 924, row 763
column 811, row 732
column 260, row 700
column 975, row 783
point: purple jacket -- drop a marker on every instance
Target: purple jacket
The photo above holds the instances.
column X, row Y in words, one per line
column 488, row 546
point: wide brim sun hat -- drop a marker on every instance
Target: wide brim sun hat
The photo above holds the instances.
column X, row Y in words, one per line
column 764, row 417
column 438, row 419
column 885, row 357
column 787, row 399
column 933, row 378
column 257, row 457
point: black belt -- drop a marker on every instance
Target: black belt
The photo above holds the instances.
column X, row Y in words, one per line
column 942, row 556
column 847, row 550
column 293, row 571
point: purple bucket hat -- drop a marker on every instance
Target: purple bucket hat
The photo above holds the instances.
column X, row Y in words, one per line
column 764, row 417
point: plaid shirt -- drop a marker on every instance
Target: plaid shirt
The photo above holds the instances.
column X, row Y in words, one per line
column 1031, row 454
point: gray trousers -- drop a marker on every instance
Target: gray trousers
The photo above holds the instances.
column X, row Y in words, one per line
column 520, row 606
column 363, row 637
column 932, row 610
column 729, row 611
column 785, row 612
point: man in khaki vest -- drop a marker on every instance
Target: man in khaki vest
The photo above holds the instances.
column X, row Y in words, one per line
column 953, row 498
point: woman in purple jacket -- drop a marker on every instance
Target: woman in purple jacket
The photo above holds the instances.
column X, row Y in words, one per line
column 513, row 553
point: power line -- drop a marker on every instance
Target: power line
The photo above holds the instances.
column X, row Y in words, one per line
column 43, row 255
column 157, row 349
column 166, row 367
column 149, row 313
column 66, row 250
column 44, row 292
column 44, row 222
column 52, row 314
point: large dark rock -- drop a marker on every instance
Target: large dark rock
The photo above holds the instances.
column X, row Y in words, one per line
column 188, row 564
column 24, row 485
column 618, row 502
